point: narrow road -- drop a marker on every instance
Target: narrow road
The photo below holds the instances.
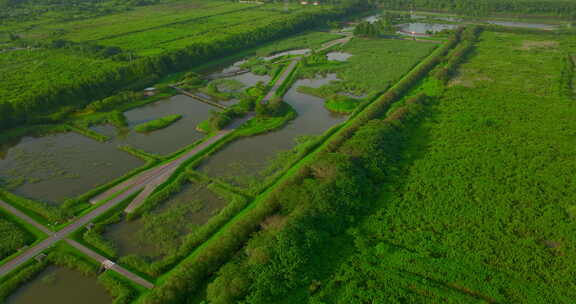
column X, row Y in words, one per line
column 60, row 235
column 163, row 175
column 24, row 217
column 128, row 188
column 281, row 80
column 126, row 273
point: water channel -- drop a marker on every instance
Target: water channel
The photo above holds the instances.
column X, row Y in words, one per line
column 248, row 156
column 62, row 286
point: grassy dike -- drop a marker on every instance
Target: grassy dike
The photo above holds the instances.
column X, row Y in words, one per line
column 190, row 274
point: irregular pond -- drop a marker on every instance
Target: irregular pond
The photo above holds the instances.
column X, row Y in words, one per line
column 242, row 161
column 338, row 56
column 286, row 53
column 62, row 165
column 424, row 28
column 62, row 286
column 165, row 226
column 167, row 140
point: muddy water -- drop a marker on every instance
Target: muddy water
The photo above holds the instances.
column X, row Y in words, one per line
column 246, row 157
column 130, row 236
column 62, row 165
column 338, row 56
column 167, row 140
column 423, row 28
column 62, row 286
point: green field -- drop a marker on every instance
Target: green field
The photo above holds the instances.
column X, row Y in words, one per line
column 481, row 205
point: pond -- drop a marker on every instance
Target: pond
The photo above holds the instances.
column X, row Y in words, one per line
column 338, row 56
column 62, row 286
column 419, row 28
column 152, row 234
column 164, row 141
column 62, row 165
column 242, row 161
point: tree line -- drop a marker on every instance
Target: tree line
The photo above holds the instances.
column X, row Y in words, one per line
column 560, row 8
column 38, row 106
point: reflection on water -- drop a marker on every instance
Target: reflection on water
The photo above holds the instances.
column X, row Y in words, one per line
column 424, row 28
column 286, row 53
column 63, row 165
column 164, row 141
column 248, row 156
column 338, row 56
column 61, row 286
column 164, row 228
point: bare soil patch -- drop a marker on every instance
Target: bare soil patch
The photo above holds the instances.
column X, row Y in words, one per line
column 531, row 45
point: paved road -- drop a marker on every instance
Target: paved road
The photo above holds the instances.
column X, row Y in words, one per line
column 130, row 187
column 24, row 217
column 160, row 176
column 281, row 80
column 60, row 235
column 126, row 273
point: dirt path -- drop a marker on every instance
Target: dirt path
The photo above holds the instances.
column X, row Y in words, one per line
column 281, row 80
column 115, row 267
column 127, row 188
column 24, row 217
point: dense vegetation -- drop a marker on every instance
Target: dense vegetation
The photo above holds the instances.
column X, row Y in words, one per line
column 14, row 237
column 43, row 78
column 427, row 193
column 562, row 8
column 157, row 124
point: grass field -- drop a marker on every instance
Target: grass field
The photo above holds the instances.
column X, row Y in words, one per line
column 480, row 207
column 144, row 31
column 14, row 237
column 374, row 66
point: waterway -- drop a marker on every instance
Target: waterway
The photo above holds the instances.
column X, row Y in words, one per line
column 62, row 286
column 242, row 162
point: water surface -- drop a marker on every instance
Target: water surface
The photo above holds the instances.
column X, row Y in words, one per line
column 61, row 286
column 338, row 56
column 62, row 165
column 523, row 24
column 244, row 159
column 198, row 205
column 424, row 28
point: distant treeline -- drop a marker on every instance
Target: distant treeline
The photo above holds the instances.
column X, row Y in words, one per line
column 38, row 106
column 561, row 8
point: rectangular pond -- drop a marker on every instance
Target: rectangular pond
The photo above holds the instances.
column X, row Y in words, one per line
column 154, row 235
column 243, row 160
column 62, row 165
column 62, row 286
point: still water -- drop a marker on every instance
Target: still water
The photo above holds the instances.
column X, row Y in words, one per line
column 424, row 28
column 62, row 286
column 248, row 156
column 132, row 237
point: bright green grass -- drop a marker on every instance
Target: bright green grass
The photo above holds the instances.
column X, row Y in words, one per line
column 341, row 104
column 13, row 237
column 38, row 71
column 482, row 206
column 157, row 124
column 377, row 63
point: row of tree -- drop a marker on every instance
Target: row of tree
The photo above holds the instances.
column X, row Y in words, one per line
column 560, row 8
column 37, row 106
